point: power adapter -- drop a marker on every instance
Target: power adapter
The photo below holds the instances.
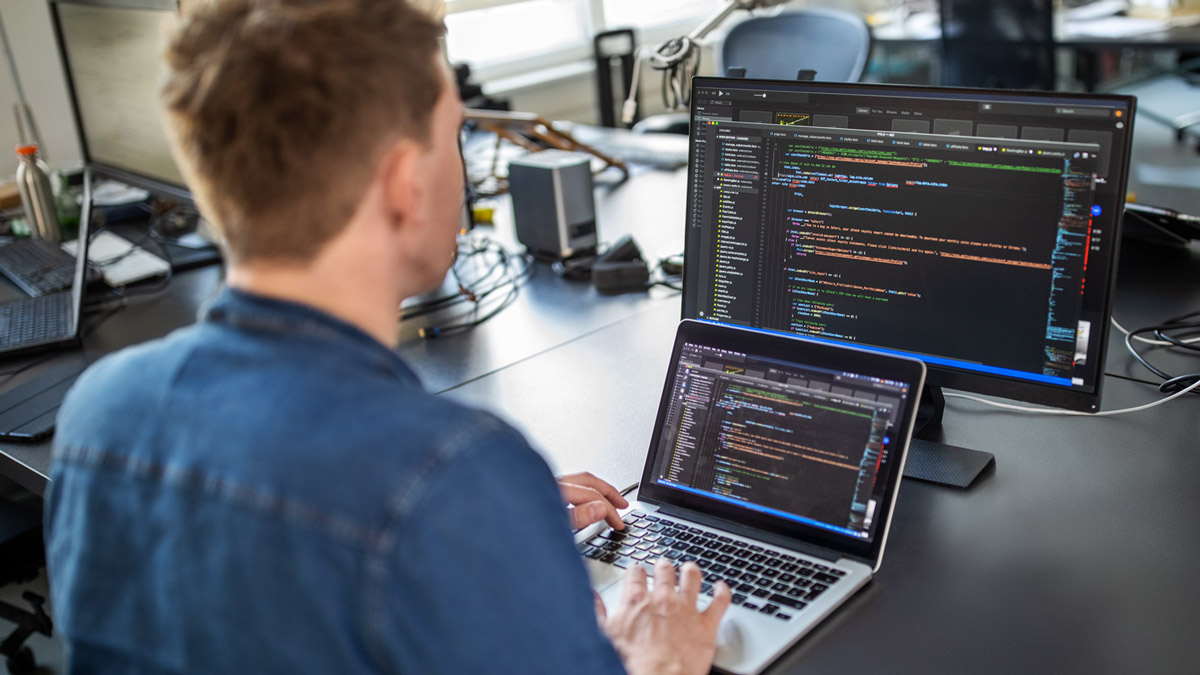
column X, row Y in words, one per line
column 612, row 278
column 621, row 269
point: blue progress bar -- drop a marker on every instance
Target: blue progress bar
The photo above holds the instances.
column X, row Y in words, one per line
column 767, row 510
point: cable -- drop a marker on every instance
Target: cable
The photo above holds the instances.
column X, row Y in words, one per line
column 679, row 59
column 575, row 269
column 479, row 287
column 629, row 109
column 7, row 375
column 666, row 274
column 149, row 235
column 1148, row 341
column 503, row 272
column 1175, row 385
column 1049, row 411
column 1172, row 383
column 1180, row 323
column 105, row 313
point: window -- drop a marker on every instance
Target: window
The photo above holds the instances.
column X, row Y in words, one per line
column 642, row 14
column 514, row 31
column 500, row 38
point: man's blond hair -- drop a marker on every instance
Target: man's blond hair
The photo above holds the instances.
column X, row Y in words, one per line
column 280, row 111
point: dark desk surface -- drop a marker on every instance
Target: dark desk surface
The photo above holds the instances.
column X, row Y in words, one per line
column 1076, row 555
column 145, row 318
column 549, row 312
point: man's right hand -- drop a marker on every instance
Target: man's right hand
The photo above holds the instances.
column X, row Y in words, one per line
column 660, row 630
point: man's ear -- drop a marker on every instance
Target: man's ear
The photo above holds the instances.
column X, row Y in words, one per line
column 400, row 176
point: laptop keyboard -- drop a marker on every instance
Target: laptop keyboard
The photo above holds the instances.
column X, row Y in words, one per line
column 34, row 320
column 770, row 582
column 37, row 266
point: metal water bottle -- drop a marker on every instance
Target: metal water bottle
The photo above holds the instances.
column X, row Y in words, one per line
column 37, row 196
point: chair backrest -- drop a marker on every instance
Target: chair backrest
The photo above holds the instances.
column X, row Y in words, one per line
column 833, row 43
column 1005, row 44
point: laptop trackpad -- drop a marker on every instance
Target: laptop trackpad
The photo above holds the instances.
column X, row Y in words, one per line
column 603, row 576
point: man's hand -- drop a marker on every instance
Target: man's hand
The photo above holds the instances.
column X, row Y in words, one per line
column 661, row 631
column 591, row 500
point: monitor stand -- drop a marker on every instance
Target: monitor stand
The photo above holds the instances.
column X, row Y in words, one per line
column 935, row 462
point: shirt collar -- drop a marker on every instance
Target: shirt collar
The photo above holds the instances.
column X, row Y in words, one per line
column 243, row 309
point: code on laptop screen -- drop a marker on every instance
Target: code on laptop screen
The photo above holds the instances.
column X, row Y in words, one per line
column 785, row 439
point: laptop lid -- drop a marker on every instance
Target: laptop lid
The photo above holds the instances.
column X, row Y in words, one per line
column 787, row 436
column 79, row 284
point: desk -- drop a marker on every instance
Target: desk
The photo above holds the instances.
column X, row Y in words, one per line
column 550, row 311
column 1076, row 555
column 28, row 464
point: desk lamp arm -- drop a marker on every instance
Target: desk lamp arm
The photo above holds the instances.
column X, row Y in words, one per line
column 674, row 54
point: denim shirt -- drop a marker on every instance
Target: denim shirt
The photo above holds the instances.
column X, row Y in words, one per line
column 271, row 491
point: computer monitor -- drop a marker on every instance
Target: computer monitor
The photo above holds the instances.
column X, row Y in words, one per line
column 976, row 230
column 112, row 51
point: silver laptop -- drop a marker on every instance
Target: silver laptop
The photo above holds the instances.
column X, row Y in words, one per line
column 774, row 465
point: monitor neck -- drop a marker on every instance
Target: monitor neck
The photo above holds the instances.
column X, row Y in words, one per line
column 929, row 412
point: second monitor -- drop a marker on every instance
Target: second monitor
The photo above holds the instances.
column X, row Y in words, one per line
column 975, row 230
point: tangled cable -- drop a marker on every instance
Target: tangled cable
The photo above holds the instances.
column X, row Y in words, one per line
column 489, row 278
column 1180, row 332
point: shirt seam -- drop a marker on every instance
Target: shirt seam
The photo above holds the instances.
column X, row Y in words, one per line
column 230, row 492
column 402, row 503
column 251, row 312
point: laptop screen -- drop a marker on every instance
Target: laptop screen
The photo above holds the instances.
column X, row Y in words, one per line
column 786, row 434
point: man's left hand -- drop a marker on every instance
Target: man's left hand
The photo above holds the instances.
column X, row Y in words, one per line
column 591, row 500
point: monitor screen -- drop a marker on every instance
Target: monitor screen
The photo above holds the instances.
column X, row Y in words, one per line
column 792, row 440
column 112, row 51
column 975, row 230
column 790, row 436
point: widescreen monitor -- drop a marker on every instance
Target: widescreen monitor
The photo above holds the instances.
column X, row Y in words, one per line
column 976, row 230
column 112, row 51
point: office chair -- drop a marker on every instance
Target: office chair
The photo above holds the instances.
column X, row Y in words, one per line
column 1007, row 44
column 22, row 555
column 832, row 43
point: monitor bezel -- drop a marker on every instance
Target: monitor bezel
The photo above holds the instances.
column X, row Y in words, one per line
column 940, row 375
column 176, row 192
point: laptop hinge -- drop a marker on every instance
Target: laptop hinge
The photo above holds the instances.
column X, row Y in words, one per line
column 822, row 552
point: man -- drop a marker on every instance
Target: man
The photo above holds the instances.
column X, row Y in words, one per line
column 270, row 490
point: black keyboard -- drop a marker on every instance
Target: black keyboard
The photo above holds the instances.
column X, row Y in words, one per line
column 31, row 321
column 37, row 266
column 762, row 580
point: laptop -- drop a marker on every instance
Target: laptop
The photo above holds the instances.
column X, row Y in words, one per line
column 774, row 465
column 51, row 320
